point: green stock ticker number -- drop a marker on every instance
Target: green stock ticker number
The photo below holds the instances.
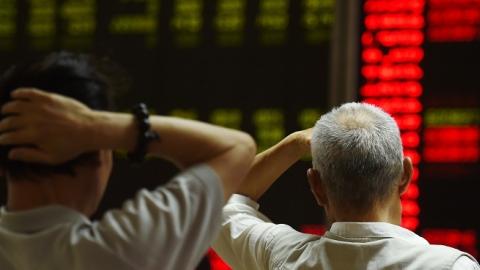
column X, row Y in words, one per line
column 452, row 117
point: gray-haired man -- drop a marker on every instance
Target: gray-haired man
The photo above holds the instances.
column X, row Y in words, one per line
column 358, row 175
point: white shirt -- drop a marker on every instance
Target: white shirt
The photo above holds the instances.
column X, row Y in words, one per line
column 168, row 228
column 248, row 240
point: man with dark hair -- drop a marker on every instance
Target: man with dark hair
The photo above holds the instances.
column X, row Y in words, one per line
column 74, row 75
column 57, row 157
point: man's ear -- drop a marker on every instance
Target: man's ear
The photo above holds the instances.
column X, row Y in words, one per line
column 317, row 187
column 406, row 176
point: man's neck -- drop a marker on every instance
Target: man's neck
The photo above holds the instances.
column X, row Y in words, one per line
column 370, row 217
column 389, row 211
column 26, row 195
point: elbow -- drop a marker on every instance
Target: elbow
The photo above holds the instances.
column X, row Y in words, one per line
column 249, row 147
column 245, row 149
column 236, row 162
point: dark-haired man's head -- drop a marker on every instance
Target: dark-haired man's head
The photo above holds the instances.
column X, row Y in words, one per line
column 73, row 75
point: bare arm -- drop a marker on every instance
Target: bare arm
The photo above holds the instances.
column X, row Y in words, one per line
column 61, row 128
column 273, row 162
column 184, row 142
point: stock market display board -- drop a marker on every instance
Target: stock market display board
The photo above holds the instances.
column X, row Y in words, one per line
column 420, row 62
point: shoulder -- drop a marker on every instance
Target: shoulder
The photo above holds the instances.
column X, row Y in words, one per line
column 290, row 247
column 200, row 173
column 192, row 196
column 447, row 251
column 442, row 257
column 459, row 257
column 466, row 263
column 197, row 181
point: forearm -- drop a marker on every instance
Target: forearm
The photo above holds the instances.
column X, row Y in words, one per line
column 271, row 164
column 58, row 121
column 184, row 142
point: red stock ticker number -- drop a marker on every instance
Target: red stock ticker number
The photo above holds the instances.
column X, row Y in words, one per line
column 391, row 55
column 452, row 144
column 394, row 20
column 405, row 89
column 394, row 38
column 453, row 20
column 396, row 55
column 387, row 6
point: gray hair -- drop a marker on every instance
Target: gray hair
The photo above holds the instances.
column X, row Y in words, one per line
column 357, row 150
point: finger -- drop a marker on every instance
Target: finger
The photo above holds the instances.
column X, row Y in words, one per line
column 29, row 93
column 29, row 154
column 15, row 107
column 10, row 123
column 16, row 137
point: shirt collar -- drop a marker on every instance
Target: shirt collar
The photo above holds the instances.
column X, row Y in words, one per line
column 39, row 218
column 362, row 230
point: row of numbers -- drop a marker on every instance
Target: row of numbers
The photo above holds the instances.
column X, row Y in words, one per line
column 78, row 20
column 269, row 123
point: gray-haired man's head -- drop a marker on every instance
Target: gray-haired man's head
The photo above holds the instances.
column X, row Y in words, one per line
column 357, row 151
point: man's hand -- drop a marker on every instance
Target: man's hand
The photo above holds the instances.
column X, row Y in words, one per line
column 45, row 127
column 301, row 139
column 273, row 162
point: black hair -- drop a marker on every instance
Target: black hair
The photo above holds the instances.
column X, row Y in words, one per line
column 78, row 76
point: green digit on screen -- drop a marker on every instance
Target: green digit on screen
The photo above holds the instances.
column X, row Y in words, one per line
column 231, row 118
column 145, row 23
column 184, row 113
column 269, row 127
column 187, row 22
